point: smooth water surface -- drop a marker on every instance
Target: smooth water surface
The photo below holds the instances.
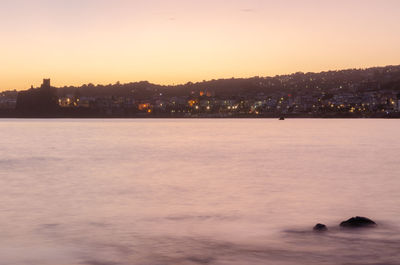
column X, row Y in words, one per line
column 160, row 192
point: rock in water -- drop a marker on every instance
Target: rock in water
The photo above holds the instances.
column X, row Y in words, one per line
column 356, row 222
column 320, row 227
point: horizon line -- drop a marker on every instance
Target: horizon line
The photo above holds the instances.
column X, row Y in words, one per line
column 209, row 80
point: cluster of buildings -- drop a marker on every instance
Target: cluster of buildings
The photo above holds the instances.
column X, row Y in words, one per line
column 366, row 92
column 205, row 103
column 8, row 100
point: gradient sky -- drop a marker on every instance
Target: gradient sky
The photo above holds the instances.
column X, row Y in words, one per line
column 174, row 41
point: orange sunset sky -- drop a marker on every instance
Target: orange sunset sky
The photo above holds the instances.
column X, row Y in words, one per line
column 171, row 41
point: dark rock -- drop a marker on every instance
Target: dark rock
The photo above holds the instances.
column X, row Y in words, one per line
column 320, row 227
column 357, row 222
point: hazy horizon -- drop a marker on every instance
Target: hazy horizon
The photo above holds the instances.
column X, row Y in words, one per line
column 39, row 81
column 174, row 42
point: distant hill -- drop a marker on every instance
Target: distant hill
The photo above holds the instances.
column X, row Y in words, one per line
column 387, row 77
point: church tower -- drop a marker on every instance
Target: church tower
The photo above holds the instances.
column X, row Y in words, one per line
column 46, row 83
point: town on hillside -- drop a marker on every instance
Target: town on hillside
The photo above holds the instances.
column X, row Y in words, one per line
column 371, row 92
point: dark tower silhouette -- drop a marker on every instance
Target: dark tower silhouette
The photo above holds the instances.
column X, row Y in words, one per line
column 46, row 83
column 41, row 101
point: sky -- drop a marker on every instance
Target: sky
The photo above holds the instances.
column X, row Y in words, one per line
column 77, row 42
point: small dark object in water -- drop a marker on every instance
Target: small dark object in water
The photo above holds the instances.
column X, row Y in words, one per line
column 282, row 118
column 357, row 222
column 320, row 228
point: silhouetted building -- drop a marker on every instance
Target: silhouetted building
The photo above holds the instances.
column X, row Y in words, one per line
column 41, row 101
column 46, row 83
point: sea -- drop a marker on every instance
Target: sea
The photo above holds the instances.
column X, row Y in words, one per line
column 198, row 191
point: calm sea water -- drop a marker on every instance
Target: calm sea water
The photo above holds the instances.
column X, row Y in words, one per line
column 155, row 192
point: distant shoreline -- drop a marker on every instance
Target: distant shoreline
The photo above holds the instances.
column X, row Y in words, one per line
column 210, row 116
